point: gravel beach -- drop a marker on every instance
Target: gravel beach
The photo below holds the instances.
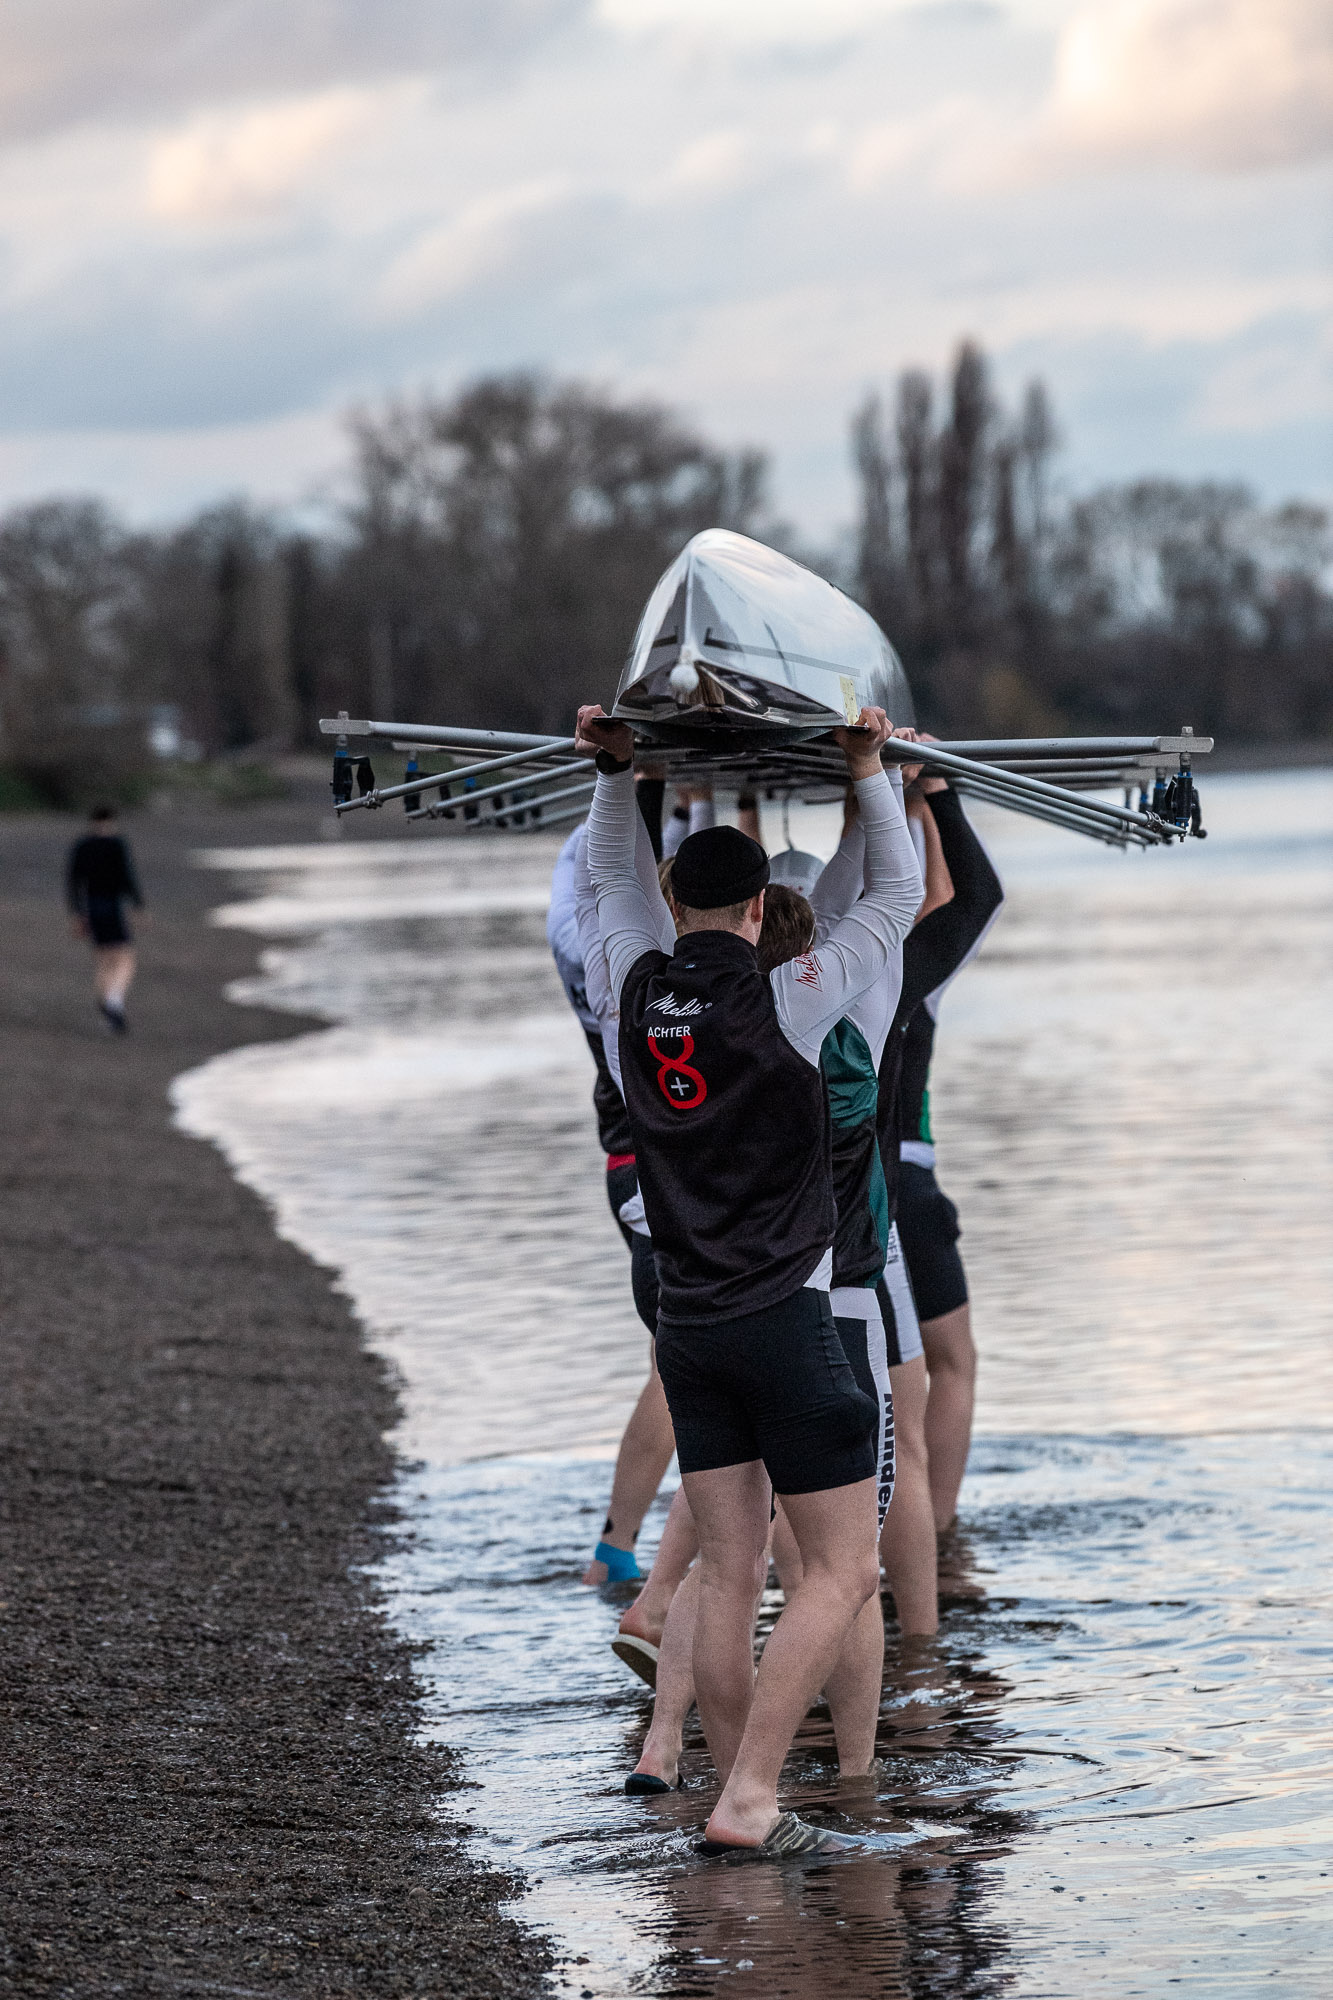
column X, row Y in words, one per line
column 211, row 1780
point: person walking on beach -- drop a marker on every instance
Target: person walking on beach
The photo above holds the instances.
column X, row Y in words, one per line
column 99, row 881
column 721, row 1074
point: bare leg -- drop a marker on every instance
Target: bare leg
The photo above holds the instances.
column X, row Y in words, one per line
column 731, row 1509
column 907, row 1540
column 646, row 1618
column 674, row 1696
column 853, row 1689
column 951, row 1358
column 113, row 972
column 674, row 1692
column 645, row 1453
column 835, row 1533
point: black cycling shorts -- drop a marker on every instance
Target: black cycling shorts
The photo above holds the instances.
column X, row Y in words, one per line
column 774, row 1385
column 928, row 1226
column 622, row 1183
column 643, row 1279
column 106, row 920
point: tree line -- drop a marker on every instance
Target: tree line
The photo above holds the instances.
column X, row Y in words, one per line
column 1019, row 610
column 496, row 548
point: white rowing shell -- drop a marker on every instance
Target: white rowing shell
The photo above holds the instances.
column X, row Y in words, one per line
column 737, row 638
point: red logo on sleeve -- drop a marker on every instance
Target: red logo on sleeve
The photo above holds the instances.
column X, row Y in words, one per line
column 681, row 1086
column 808, row 969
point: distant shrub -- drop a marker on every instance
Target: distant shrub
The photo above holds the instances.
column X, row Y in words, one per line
column 18, row 793
column 227, row 781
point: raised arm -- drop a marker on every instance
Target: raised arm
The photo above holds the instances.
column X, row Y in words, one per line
column 688, row 818
column 977, row 889
column 597, row 980
column 562, row 929
column 939, row 882
column 943, row 940
column 632, row 918
column 815, row 991
column 840, row 882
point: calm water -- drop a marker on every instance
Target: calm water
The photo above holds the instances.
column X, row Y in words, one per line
column 1111, row 1774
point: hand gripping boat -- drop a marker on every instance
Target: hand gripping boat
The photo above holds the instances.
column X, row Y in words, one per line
column 743, row 663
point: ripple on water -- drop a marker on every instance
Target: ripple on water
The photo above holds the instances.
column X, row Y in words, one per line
column 1110, row 1714
column 1109, row 1774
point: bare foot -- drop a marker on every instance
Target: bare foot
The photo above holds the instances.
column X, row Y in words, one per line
column 596, row 1572
column 633, row 1620
column 727, row 1833
column 739, row 1821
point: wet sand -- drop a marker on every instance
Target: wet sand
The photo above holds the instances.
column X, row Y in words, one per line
column 214, row 1781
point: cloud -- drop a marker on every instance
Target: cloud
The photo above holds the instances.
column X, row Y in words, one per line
column 712, row 165
column 291, row 460
column 226, row 165
column 952, row 143
column 783, row 24
column 746, row 23
column 754, row 238
column 67, row 61
column 474, row 245
column 1219, row 83
column 1282, row 379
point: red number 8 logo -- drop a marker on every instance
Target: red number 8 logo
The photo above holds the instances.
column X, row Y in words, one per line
column 681, row 1086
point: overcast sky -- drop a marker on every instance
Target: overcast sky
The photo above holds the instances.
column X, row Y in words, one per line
column 222, row 221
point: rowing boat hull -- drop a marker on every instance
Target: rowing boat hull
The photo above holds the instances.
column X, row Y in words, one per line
column 739, row 645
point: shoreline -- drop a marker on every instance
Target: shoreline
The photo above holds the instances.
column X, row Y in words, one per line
column 215, row 1776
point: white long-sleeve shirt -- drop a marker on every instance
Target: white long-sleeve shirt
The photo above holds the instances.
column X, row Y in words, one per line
column 836, row 891
column 601, row 997
column 702, row 813
column 811, row 993
column 562, row 929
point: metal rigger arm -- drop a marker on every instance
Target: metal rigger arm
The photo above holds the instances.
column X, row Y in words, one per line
column 537, row 773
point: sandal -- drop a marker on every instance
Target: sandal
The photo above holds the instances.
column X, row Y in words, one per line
column 639, row 1655
column 790, row 1836
column 643, row 1785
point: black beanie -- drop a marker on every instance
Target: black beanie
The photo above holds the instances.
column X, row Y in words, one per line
column 718, row 867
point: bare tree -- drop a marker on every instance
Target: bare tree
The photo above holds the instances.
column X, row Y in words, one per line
column 1036, row 441
column 916, row 451
column 503, row 543
column 67, row 688
column 961, row 476
column 876, row 567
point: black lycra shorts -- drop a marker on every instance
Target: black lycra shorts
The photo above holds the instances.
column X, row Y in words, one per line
column 928, row 1226
column 106, row 921
column 643, row 1279
column 774, row 1385
column 622, row 1182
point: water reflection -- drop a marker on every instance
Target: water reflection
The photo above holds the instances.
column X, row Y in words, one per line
column 620, row 1878
column 1125, row 1719
column 1108, row 1775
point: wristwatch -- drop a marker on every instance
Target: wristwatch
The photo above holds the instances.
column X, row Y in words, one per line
column 610, row 766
